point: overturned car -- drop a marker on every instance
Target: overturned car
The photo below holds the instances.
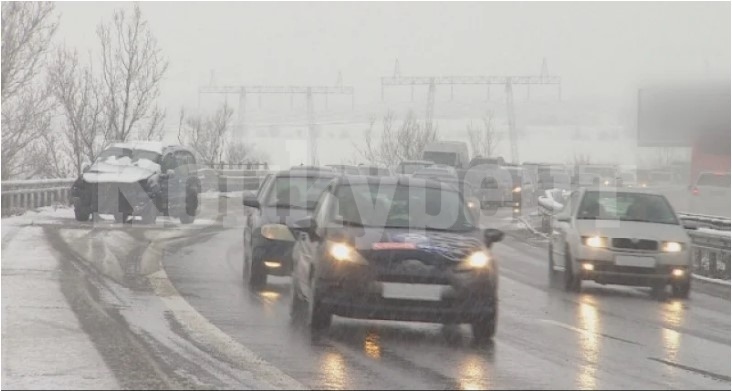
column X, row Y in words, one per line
column 139, row 179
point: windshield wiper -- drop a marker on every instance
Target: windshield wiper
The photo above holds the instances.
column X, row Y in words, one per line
column 284, row 205
column 349, row 223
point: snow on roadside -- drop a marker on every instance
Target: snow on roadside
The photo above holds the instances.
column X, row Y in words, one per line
column 43, row 344
column 39, row 215
column 712, row 231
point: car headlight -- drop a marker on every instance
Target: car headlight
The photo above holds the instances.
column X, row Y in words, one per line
column 471, row 204
column 671, row 247
column 477, row 260
column 277, row 232
column 343, row 252
column 517, row 189
column 595, row 241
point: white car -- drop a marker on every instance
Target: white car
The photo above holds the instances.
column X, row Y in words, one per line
column 620, row 236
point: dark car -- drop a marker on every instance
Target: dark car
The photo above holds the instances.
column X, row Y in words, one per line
column 139, row 179
column 283, row 198
column 395, row 248
column 373, row 170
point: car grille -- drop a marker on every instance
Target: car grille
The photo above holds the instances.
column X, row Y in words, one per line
column 409, row 266
column 637, row 244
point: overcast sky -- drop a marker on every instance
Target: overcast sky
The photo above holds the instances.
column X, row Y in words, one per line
column 598, row 48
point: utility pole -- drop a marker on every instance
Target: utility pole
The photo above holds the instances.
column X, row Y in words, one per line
column 429, row 113
column 511, row 123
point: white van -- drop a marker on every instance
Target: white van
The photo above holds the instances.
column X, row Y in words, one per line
column 449, row 153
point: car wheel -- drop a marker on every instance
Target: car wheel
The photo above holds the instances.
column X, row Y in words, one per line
column 658, row 290
column 255, row 273
column 553, row 274
column 191, row 208
column 484, row 329
column 149, row 213
column 81, row 213
column 298, row 306
column 681, row 290
column 319, row 318
column 572, row 283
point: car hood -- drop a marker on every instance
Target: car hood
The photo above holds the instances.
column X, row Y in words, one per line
column 286, row 216
column 438, row 244
column 632, row 229
column 121, row 170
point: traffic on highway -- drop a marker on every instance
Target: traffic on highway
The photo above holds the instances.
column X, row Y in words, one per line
column 491, row 195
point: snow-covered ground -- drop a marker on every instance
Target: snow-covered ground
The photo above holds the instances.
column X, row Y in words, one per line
column 43, row 344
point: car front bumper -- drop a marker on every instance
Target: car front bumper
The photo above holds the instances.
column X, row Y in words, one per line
column 605, row 269
column 275, row 255
column 357, row 291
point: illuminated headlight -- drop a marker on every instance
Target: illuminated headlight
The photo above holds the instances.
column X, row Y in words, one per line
column 343, row 252
column 595, row 241
column 678, row 273
column 643, row 185
column 517, row 189
column 277, row 232
column 471, row 204
column 671, row 247
column 476, row 260
column 607, row 183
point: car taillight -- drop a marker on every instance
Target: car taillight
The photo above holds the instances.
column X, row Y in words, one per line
column 695, row 191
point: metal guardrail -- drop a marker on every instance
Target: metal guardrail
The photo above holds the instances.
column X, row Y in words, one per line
column 20, row 195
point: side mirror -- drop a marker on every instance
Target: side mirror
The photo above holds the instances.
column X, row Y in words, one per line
column 307, row 225
column 250, row 201
column 563, row 218
column 491, row 235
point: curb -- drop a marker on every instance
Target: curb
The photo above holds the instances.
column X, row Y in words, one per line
column 710, row 286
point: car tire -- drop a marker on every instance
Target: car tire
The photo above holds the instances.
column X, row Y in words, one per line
column 149, row 213
column 319, row 318
column 571, row 282
column 81, row 213
column 553, row 274
column 484, row 329
column 298, row 306
column 681, row 290
column 189, row 216
column 255, row 275
column 658, row 290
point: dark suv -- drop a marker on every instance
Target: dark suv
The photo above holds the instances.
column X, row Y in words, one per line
column 139, row 179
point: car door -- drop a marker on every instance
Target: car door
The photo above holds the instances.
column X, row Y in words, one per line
column 254, row 215
column 562, row 225
column 310, row 247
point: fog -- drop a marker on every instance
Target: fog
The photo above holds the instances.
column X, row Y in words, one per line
column 602, row 51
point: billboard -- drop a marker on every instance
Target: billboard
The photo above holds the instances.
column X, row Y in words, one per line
column 676, row 115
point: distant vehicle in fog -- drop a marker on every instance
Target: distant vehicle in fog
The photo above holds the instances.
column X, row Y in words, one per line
column 487, row 161
column 450, row 153
column 408, row 167
column 711, row 194
column 625, row 236
column 595, row 175
column 438, row 172
column 373, row 170
column 344, row 169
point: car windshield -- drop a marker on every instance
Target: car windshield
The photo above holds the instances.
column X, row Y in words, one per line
column 651, row 208
column 714, row 180
column 447, row 158
column 402, row 206
column 296, row 192
column 133, row 154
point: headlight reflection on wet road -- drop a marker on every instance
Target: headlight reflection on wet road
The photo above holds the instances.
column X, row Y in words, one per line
column 333, row 368
column 472, row 374
column 371, row 345
column 589, row 320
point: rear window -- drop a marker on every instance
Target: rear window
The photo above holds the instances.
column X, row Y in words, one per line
column 714, row 180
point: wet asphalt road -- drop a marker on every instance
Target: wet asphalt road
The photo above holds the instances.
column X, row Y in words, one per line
column 605, row 337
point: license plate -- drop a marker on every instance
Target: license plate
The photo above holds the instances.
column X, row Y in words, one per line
column 395, row 290
column 629, row 260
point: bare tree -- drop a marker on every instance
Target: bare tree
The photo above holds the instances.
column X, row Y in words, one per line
column 27, row 106
column 27, row 29
column 77, row 93
column 132, row 69
column 207, row 135
column 238, row 152
column 484, row 141
column 406, row 142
